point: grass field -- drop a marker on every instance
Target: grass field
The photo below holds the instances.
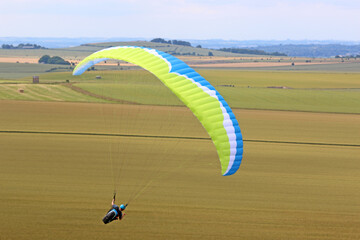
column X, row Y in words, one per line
column 295, row 91
column 14, row 71
column 329, row 68
column 43, row 92
column 251, row 90
column 61, row 185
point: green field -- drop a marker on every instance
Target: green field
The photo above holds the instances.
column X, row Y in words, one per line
column 16, row 71
column 289, row 79
column 43, row 92
column 348, row 67
column 294, row 91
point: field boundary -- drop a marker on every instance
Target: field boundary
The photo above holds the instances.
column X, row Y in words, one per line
column 175, row 137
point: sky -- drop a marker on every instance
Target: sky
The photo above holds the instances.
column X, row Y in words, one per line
column 183, row 19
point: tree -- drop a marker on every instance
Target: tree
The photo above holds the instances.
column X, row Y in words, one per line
column 180, row 42
column 44, row 59
column 175, row 42
column 160, row 40
column 22, row 46
column 250, row 51
column 7, row 46
column 53, row 60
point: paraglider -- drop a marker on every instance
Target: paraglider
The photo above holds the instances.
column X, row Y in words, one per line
column 193, row 90
column 115, row 213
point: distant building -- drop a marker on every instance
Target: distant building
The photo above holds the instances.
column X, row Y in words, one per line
column 36, row 79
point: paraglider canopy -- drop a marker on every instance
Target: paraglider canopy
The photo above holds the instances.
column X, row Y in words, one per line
column 192, row 89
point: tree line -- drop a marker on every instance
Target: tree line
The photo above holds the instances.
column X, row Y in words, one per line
column 314, row 50
column 251, row 51
column 175, row 42
column 348, row 56
column 22, row 46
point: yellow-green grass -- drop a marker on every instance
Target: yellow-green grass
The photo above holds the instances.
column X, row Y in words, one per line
column 61, row 185
column 345, row 101
column 226, row 77
column 125, row 76
column 317, row 92
column 142, row 94
column 26, row 70
column 13, row 81
column 43, row 92
column 346, row 67
column 289, row 79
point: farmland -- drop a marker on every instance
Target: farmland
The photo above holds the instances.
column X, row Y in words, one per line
column 282, row 189
column 13, row 59
column 295, row 91
column 64, row 147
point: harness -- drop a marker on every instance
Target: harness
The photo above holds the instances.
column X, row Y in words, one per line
column 116, row 212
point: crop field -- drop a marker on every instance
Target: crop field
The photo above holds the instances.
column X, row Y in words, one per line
column 67, row 53
column 64, row 148
column 62, row 185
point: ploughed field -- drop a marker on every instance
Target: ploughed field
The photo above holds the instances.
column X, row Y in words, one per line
column 300, row 176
